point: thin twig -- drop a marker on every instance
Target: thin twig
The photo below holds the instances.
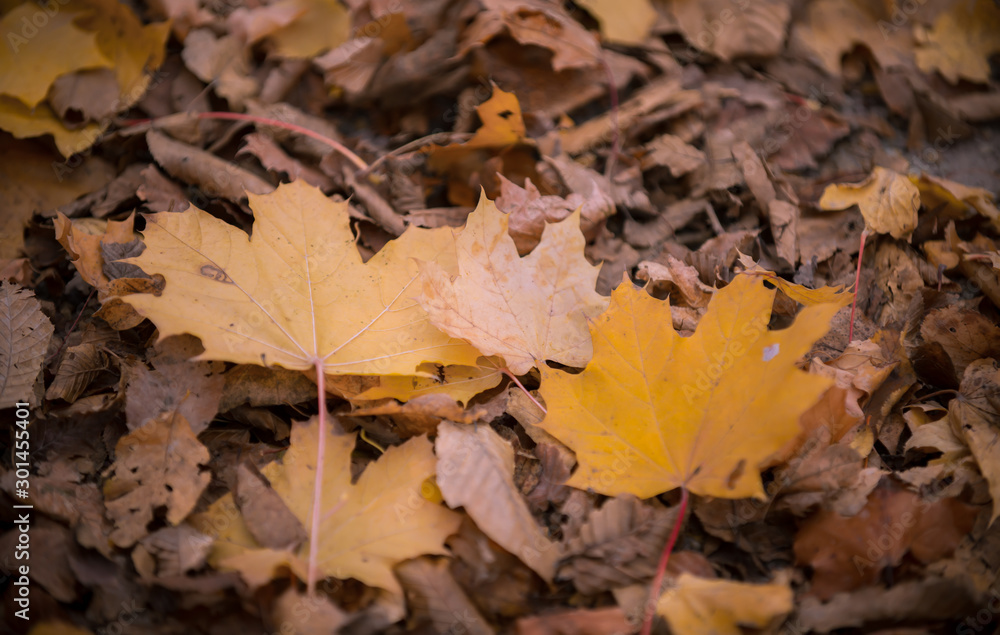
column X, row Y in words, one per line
column 237, row 116
column 506, row 371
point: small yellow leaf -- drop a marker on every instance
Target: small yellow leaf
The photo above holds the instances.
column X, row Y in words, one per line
column 527, row 310
column 323, row 25
column 697, row 606
column 888, row 201
column 654, row 410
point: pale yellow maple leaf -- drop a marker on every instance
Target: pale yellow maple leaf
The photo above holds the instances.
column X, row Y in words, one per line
column 888, row 201
column 369, row 526
column 526, row 310
column 654, row 411
column 297, row 293
column 366, row 527
column 698, row 605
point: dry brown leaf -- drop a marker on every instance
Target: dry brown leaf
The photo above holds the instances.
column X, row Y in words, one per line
column 158, row 465
column 973, row 416
column 617, row 545
column 190, row 389
column 578, row 622
column 674, row 274
column 847, row 553
column 672, row 153
column 267, row 517
column 24, row 339
column 529, row 211
column 526, row 310
column 473, row 461
column 535, row 22
column 212, row 174
column 435, row 598
column 78, row 367
column 730, row 30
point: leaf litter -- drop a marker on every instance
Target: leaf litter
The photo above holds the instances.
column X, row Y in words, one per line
column 269, row 395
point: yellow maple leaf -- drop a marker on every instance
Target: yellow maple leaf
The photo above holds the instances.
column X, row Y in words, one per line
column 24, row 122
column 367, row 527
column 370, row 526
column 526, row 310
column 961, row 41
column 654, row 410
column 297, row 293
column 698, row 605
column 888, row 201
column 41, row 47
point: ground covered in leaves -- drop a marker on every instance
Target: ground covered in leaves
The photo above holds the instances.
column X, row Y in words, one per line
column 379, row 316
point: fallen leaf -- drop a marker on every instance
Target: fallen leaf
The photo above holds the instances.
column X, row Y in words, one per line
column 24, row 122
column 617, row 545
column 733, row 29
column 535, row 22
column 673, row 153
column 78, row 367
column 29, row 65
column 471, row 461
column 193, row 390
column 961, row 41
column 308, row 614
column 636, row 429
column 24, row 339
column 973, row 415
column 194, row 165
column 526, row 310
column 321, row 25
column 461, row 383
column 721, row 607
column 887, row 200
column 369, row 526
column 435, row 598
column 529, row 211
column 847, row 553
column 601, row 621
column 622, row 22
column 267, row 300
column 422, row 414
column 158, row 465
column 266, row 516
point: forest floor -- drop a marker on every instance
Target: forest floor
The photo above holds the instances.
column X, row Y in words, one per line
column 421, row 398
